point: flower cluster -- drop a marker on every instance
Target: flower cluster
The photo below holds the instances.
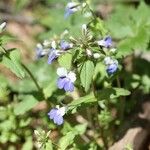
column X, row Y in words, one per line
column 111, row 64
column 50, row 49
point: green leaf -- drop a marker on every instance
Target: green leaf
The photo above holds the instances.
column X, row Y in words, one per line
column 65, row 60
column 27, row 103
column 5, row 39
column 120, row 92
column 48, row 91
column 67, row 140
column 49, row 145
column 83, row 100
column 137, row 42
column 13, row 62
column 86, row 74
column 28, row 145
column 81, row 128
column 110, row 93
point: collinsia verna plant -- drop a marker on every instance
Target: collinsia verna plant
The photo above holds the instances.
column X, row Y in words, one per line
column 84, row 55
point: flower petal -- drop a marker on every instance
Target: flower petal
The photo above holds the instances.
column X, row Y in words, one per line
column 58, row 120
column 61, row 82
column 62, row 72
column 69, row 86
column 52, row 56
column 112, row 68
column 65, row 45
column 72, row 76
column 53, row 113
column 61, row 111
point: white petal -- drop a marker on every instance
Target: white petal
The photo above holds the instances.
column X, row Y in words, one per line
column 62, row 72
column 72, row 76
column 96, row 55
column 71, row 4
column 39, row 46
column 108, row 60
column 61, row 111
column 101, row 42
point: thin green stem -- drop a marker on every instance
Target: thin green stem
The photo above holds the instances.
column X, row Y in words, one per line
column 32, row 77
column 92, row 12
column 100, row 128
column 122, row 102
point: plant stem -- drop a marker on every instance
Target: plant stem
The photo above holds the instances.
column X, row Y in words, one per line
column 32, row 77
column 100, row 128
column 90, row 10
column 122, row 102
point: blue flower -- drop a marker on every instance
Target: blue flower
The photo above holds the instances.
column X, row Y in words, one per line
column 53, row 53
column 65, row 45
column 112, row 65
column 66, row 80
column 40, row 51
column 71, row 8
column 106, row 42
column 56, row 114
column 112, row 68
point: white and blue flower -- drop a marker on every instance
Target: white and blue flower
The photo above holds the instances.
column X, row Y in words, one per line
column 64, row 45
column 40, row 52
column 111, row 65
column 106, row 42
column 71, row 8
column 66, row 79
column 56, row 114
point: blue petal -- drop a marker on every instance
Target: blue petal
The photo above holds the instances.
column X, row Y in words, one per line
column 69, row 86
column 52, row 113
column 64, row 45
column 108, row 41
column 52, row 56
column 112, row 68
column 39, row 53
column 61, row 82
column 68, row 12
column 58, row 120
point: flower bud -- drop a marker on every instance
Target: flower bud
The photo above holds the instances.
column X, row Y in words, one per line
column 96, row 55
column 88, row 52
column 84, row 29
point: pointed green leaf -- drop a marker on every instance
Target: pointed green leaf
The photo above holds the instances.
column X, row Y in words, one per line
column 86, row 74
column 65, row 60
column 25, row 105
column 12, row 61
